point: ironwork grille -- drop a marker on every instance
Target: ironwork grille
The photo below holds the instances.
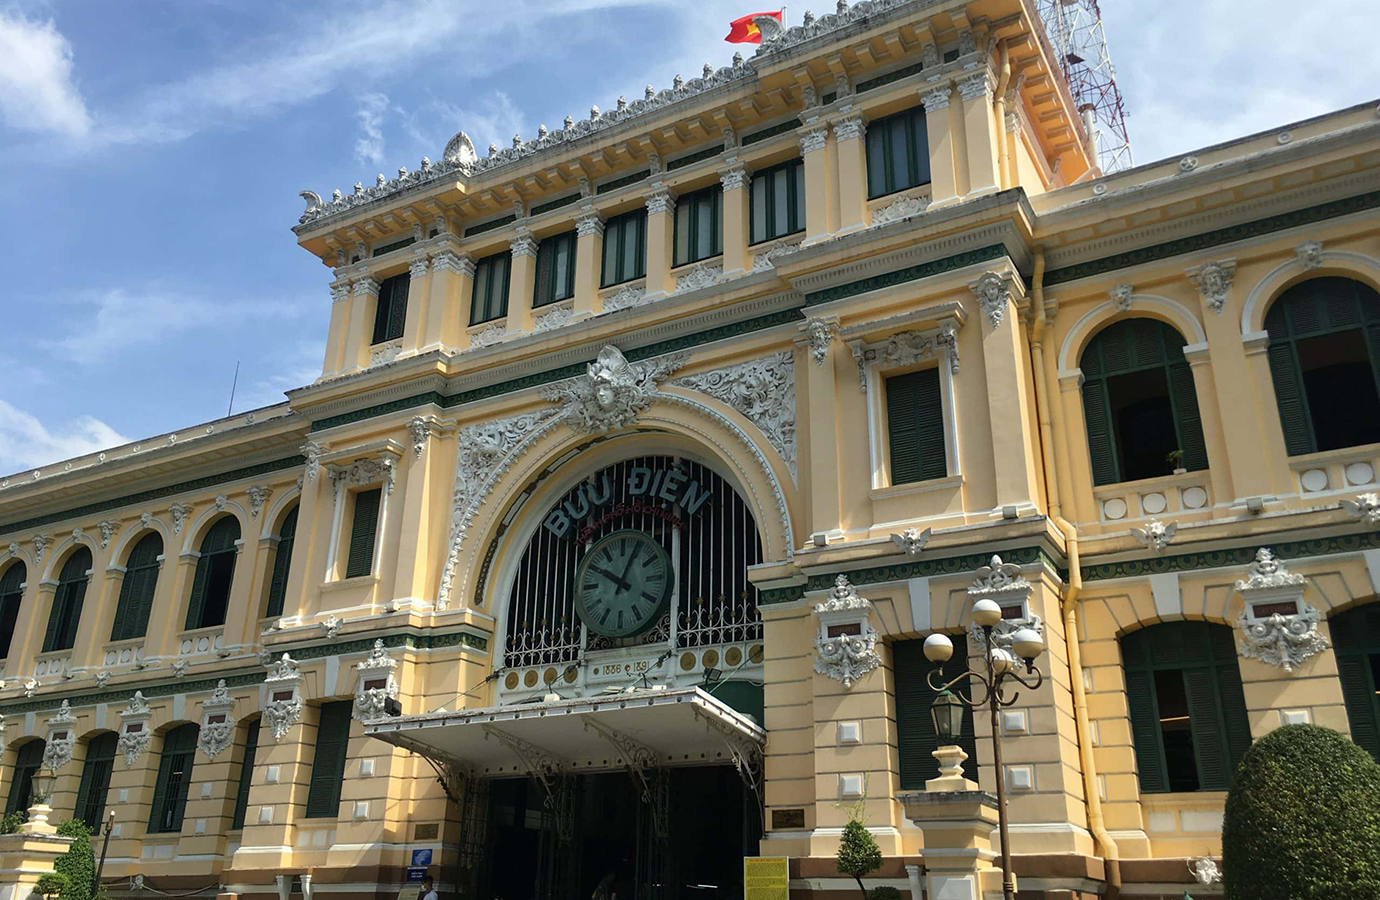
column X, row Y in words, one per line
column 710, row 550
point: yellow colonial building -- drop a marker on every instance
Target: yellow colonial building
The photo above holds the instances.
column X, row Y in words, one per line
column 647, row 452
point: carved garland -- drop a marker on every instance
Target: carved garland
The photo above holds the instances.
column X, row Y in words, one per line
column 763, row 390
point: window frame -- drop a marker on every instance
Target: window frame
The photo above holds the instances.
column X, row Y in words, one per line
column 316, row 802
column 615, row 241
column 281, row 569
column 914, row 724
column 547, row 287
column 483, row 274
column 689, row 205
column 141, row 606
column 64, row 617
column 20, row 792
column 88, row 808
column 244, row 780
column 795, row 201
column 390, row 309
column 200, row 588
column 879, row 134
column 349, row 562
column 875, row 369
column 1355, row 639
column 183, row 738
column 12, row 601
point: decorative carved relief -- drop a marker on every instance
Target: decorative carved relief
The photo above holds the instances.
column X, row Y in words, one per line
column 993, row 292
column 218, row 726
column 258, row 496
column 134, row 729
column 612, row 393
column 108, row 529
column 282, row 712
column 1155, row 535
column 361, row 472
column 378, row 666
column 487, row 336
column 700, row 276
column 812, row 139
column 1309, row 254
column 420, row 428
column 62, row 737
column 180, row 513
column 1365, row 507
column 912, row 540
column 1213, row 280
column 553, row 319
column 1277, row 626
column 898, row 209
column 846, row 645
column 626, row 297
column 763, row 390
column 312, row 451
column 820, row 334
column 331, row 626
column 1121, row 297
column 764, row 260
column 41, row 544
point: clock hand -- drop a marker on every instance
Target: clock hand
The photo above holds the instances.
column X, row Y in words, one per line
column 632, row 557
column 612, row 577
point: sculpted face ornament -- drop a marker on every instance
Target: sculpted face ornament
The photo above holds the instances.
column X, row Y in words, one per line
column 613, row 392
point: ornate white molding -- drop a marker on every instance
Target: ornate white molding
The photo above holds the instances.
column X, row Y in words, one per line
column 523, row 244
column 612, row 393
column 553, row 319
column 814, row 138
column 699, row 276
column 180, row 513
column 993, row 292
column 134, row 729
column 1121, row 297
column 1156, row 535
column 763, row 391
column 846, row 644
column 1277, row 626
column 660, row 200
column 62, row 737
column 284, row 706
column 365, row 287
column 419, row 427
column 108, row 529
column 1365, row 507
column 912, row 540
column 590, row 224
column 936, row 99
column 898, row 209
column 459, row 264
column 626, row 297
column 418, row 268
column 820, row 333
column 217, row 725
column 850, row 128
column 312, row 451
column 362, row 472
column 331, row 626
column 906, row 348
column 735, row 177
column 258, row 496
column 1213, row 281
column 765, row 260
column 487, row 336
column 41, row 544
column 999, row 581
column 377, row 684
column 1309, row 255
column 978, row 85
column 382, row 354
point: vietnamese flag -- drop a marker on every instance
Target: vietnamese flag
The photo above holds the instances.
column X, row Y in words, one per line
column 742, row 31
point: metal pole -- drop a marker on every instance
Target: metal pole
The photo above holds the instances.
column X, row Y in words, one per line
column 105, row 845
column 1008, row 886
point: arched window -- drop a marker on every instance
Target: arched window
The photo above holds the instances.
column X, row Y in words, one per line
column 215, row 571
column 282, row 560
column 95, row 779
column 137, row 589
column 1139, row 403
column 26, row 762
column 916, row 739
column 1188, row 712
column 11, row 593
column 1325, row 363
column 1356, row 639
column 174, row 779
column 71, row 591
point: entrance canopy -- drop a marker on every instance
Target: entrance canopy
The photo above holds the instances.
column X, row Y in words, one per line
column 639, row 730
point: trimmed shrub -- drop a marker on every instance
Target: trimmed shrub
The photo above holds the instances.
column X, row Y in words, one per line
column 1303, row 819
column 78, row 863
column 859, row 854
column 885, row 892
column 51, row 884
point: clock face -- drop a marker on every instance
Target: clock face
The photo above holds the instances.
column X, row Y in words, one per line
column 623, row 584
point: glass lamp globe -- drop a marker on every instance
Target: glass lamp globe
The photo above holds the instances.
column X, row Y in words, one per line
column 986, row 613
column 1002, row 661
column 938, row 648
column 1027, row 643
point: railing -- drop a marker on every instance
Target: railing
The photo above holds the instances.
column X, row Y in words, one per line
column 1167, row 495
column 1346, row 470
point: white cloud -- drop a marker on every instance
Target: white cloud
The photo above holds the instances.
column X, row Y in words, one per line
column 25, row 442
column 297, row 367
column 369, row 144
column 36, row 89
column 492, row 120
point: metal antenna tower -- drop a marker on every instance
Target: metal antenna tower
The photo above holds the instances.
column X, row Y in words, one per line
column 1075, row 30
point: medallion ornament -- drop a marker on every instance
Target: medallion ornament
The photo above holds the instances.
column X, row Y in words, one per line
column 217, row 726
column 612, row 393
column 820, row 334
column 1156, row 535
column 1277, row 626
column 993, row 292
column 134, row 729
column 846, row 645
column 1213, row 280
column 377, row 684
column 284, row 706
column 912, row 540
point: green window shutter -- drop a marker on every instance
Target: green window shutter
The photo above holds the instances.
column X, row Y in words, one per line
column 148, row 590
column 174, row 779
column 251, row 749
column 26, row 763
column 50, row 637
column 1187, row 421
column 915, row 424
column 916, row 738
column 543, row 289
column 360, row 560
column 1101, row 446
column 11, row 595
column 328, row 766
column 382, row 312
column 1293, row 407
column 95, row 779
column 397, row 308
column 282, row 561
column 1145, row 732
column 137, row 589
column 1205, row 714
column 1362, row 705
column 198, row 599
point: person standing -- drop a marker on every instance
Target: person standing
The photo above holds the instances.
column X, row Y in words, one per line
column 428, row 890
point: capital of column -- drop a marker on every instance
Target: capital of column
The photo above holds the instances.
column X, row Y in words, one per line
column 446, row 261
column 590, row 223
column 523, row 244
column 936, row 98
column 340, row 291
column 813, row 138
column 660, row 200
column 850, row 127
column 366, row 285
column 419, row 267
column 735, row 177
column 981, row 84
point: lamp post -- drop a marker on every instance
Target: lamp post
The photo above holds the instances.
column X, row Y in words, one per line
column 947, row 708
column 105, row 845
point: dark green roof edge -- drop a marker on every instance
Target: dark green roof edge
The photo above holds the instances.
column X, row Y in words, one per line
column 195, row 484
column 1257, row 228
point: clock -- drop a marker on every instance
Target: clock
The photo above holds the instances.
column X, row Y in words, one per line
column 623, row 584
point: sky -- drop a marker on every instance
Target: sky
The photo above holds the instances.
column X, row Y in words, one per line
column 152, row 154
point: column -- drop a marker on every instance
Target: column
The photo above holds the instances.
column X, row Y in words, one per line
column 852, row 156
column 814, row 142
column 522, row 282
column 417, row 301
column 448, row 302
column 1003, row 361
column 661, row 233
column 589, row 260
column 737, row 182
column 413, row 567
column 1210, row 415
column 822, row 401
column 340, row 324
column 981, row 134
column 278, row 794
column 309, row 548
column 365, row 298
column 943, row 167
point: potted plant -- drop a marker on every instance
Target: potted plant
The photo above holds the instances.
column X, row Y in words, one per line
column 1175, row 458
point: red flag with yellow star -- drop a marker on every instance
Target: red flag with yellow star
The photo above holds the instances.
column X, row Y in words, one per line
column 742, row 31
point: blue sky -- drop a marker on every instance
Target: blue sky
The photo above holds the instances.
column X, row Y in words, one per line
column 153, row 152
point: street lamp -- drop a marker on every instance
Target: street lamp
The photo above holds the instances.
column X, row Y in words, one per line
column 947, row 708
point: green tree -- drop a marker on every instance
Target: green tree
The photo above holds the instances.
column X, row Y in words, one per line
column 1303, row 819
column 10, row 823
column 51, row 884
column 78, row 863
column 859, row 854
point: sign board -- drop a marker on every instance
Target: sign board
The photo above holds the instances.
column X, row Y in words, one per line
column 766, row 878
column 415, row 874
column 421, row 857
column 410, row 891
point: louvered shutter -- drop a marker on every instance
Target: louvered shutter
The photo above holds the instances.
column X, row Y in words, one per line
column 50, row 637
column 26, row 763
column 1362, row 705
column 543, row 290
column 1231, row 695
column 916, row 738
column 136, row 589
column 929, row 417
column 397, row 310
column 1205, row 715
column 903, row 427
column 1101, row 446
column 282, row 562
column 160, row 794
column 1293, row 408
column 122, row 610
column 361, row 557
column 1145, row 731
column 381, row 314
column 198, row 599
column 251, row 749
column 148, row 589
column 95, row 779
column 328, row 766
column 1187, row 421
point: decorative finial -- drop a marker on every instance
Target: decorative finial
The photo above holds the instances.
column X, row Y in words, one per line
column 359, row 187
column 737, row 60
column 842, row 7
column 678, row 82
column 568, row 123
column 622, row 102
column 402, row 172
column 593, row 113
column 335, row 195
column 517, row 141
column 426, row 163
column 380, row 181
column 541, row 132
column 708, row 70
column 809, row 18
column 649, row 92
column 493, row 148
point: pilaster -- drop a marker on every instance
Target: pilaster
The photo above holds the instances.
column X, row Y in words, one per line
column 736, row 180
column 418, row 299
column 820, row 214
column 364, row 298
column 423, row 464
column 821, row 342
column 522, row 282
column 1008, row 395
column 851, row 148
column 309, row 545
column 448, row 301
column 278, row 794
column 661, row 210
column 337, row 332
column 589, row 257
column 980, row 132
column 943, row 162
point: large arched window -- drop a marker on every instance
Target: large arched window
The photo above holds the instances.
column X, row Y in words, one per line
column 11, row 593
column 282, row 560
column 1356, row 639
column 1139, row 403
column 95, row 779
column 26, row 762
column 67, row 601
column 1325, row 364
column 136, row 591
column 1188, row 712
column 215, row 571
column 174, row 779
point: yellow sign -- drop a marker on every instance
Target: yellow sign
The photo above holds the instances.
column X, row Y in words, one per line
column 766, row 878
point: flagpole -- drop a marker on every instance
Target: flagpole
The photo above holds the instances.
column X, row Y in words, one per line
column 783, row 15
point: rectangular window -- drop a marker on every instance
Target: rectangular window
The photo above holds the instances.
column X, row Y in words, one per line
column 251, row 749
column 555, row 269
column 174, row 780
column 698, row 225
column 95, row 779
column 915, row 426
column 490, row 298
column 625, row 248
column 916, row 738
column 360, row 560
column 391, row 313
column 898, row 153
column 778, row 201
column 328, row 766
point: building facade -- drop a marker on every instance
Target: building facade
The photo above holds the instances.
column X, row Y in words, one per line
column 647, row 452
